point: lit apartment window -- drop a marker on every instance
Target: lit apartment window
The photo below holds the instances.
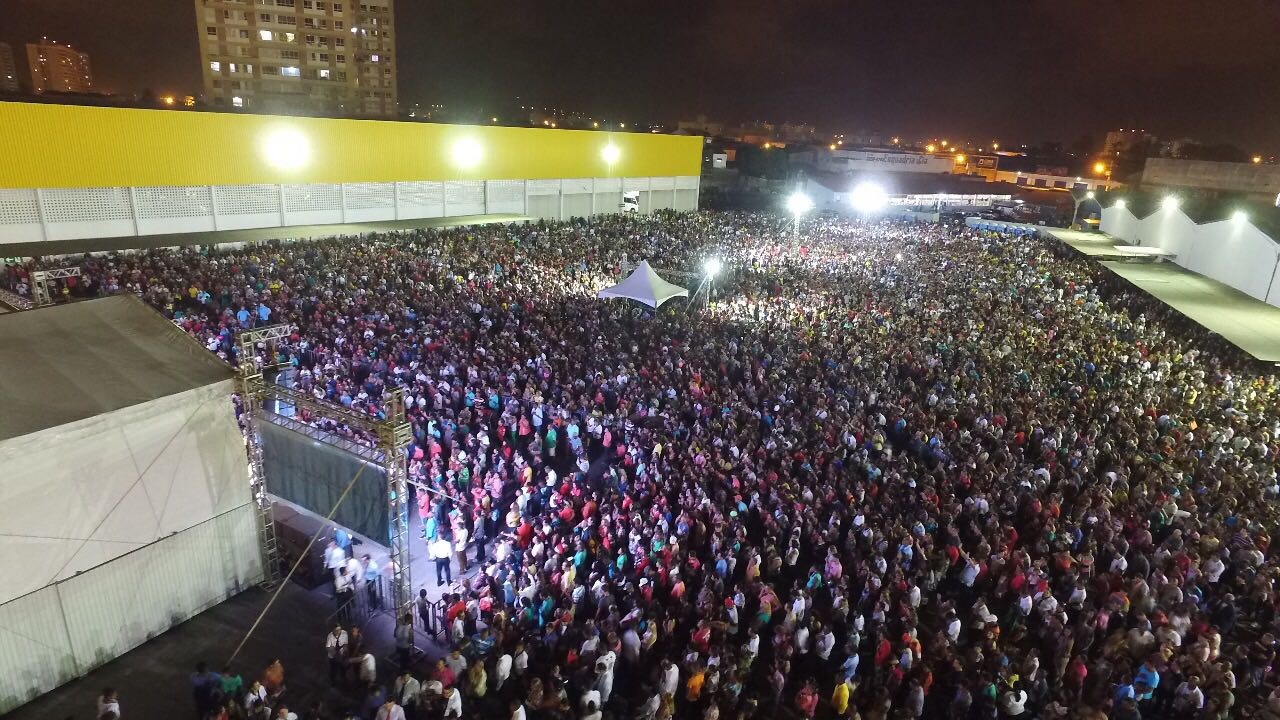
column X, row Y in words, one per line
column 231, row 67
column 215, row 66
column 248, row 69
column 237, row 101
column 265, row 35
column 373, row 58
column 290, row 71
column 290, row 37
column 324, row 74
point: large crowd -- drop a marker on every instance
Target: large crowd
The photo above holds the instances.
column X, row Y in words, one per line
column 889, row 470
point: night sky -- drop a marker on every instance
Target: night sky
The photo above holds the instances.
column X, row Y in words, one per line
column 1024, row 70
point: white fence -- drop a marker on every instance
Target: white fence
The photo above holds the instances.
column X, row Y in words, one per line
column 51, row 214
column 1233, row 252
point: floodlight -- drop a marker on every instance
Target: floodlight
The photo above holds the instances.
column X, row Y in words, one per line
column 1169, row 203
column 1119, row 204
column 1089, row 195
column 1240, row 216
column 611, row 153
column 868, row 197
column 286, row 149
column 799, row 203
column 467, row 153
column 711, row 267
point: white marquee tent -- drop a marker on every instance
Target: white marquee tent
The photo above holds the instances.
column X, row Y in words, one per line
column 125, row 504
column 644, row 285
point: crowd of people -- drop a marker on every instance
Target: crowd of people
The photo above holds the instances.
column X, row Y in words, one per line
column 890, row 470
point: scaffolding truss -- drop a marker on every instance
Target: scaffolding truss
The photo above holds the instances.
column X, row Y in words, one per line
column 389, row 438
column 40, row 283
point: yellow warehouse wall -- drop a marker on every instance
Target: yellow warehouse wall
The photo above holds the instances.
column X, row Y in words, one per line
column 58, row 146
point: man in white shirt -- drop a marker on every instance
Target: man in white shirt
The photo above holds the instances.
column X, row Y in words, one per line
column 335, row 648
column 501, row 671
column 366, row 668
column 407, row 689
column 452, row 703
column 670, row 679
column 334, row 558
column 390, row 711
column 441, row 550
column 343, row 593
column 460, row 538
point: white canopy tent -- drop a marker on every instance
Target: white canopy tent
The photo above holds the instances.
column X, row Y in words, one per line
column 644, row 285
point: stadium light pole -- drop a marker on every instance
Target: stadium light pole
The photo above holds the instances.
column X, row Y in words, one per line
column 798, row 204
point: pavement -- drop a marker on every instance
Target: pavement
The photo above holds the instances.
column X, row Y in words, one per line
column 219, row 237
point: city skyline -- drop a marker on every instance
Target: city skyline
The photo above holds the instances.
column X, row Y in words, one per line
column 1015, row 70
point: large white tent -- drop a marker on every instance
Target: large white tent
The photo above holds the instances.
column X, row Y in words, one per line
column 124, row 499
column 644, row 285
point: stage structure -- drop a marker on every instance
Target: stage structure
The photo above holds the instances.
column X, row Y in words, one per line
column 124, row 493
column 40, row 283
column 393, row 436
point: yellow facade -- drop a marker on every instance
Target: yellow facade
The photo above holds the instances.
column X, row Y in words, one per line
column 59, row 146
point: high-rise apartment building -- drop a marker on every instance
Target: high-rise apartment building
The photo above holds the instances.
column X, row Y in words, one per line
column 56, row 67
column 8, row 69
column 299, row 56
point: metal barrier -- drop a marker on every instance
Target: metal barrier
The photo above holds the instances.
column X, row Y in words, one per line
column 369, row 600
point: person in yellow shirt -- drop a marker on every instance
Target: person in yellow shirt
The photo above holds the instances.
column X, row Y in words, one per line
column 840, row 698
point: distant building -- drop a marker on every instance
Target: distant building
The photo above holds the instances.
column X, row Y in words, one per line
column 1123, row 141
column 8, row 70
column 56, row 67
column 1260, row 182
column 701, row 126
column 844, row 162
column 299, row 56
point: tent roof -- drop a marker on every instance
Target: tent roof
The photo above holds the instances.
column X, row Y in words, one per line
column 69, row 362
column 644, row 285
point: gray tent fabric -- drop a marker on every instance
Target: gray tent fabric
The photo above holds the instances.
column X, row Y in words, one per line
column 69, row 362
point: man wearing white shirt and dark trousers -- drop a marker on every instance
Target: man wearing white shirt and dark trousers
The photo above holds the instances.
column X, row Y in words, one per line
column 335, row 648
column 441, row 552
column 344, row 592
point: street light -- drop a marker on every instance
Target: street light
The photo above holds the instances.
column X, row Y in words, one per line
column 1119, row 204
column 711, row 267
column 1089, row 194
column 798, row 204
column 1239, row 217
column 1257, row 159
column 1169, row 203
column 1101, row 168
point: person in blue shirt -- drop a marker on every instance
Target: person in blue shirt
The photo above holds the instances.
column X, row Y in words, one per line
column 1146, row 681
column 242, row 316
column 343, row 538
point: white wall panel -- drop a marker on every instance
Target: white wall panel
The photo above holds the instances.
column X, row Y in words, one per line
column 543, row 187
column 163, row 210
column 246, row 206
column 369, row 202
column 577, row 206
column 575, row 186
column 608, row 185
column 114, row 608
column 504, row 196
column 546, row 207
column 20, row 216
column 315, row 204
column 87, row 212
column 158, row 468
column 35, row 652
column 608, row 202
column 687, row 182
column 641, row 183
column 463, row 197
column 685, row 200
column 662, row 183
column 419, row 200
column 1232, row 252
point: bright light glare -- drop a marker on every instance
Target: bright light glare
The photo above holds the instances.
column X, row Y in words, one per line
column 286, row 149
column 711, row 267
column 611, row 153
column 1169, row 203
column 1089, row 194
column 799, row 203
column 467, row 153
column 1239, row 216
column 1120, row 204
column 868, row 197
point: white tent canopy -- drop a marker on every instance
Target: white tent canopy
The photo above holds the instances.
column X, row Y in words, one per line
column 645, row 286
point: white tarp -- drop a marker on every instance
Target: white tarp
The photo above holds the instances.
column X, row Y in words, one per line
column 644, row 285
column 77, row 495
